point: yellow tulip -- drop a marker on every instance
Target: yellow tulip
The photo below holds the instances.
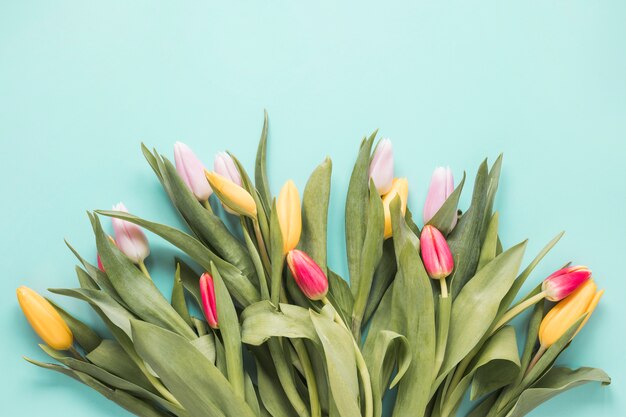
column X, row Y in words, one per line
column 44, row 319
column 233, row 196
column 399, row 187
column 563, row 315
column 289, row 215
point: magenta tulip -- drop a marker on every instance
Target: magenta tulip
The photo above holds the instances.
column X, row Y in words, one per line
column 308, row 275
column 381, row 167
column 564, row 281
column 129, row 237
column 191, row 171
column 436, row 253
column 441, row 186
column 207, row 293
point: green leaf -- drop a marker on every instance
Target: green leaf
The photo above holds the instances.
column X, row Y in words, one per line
column 239, row 286
column 272, row 395
column 260, row 170
column 229, row 329
column 476, row 306
column 277, row 256
column 554, row 382
column 137, row 291
column 111, row 357
column 83, row 334
column 340, row 296
column 178, row 298
column 338, row 349
column 356, row 208
column 370, row 256
column 444, row 218
column 187, row 373
column 190, row 280
column 315, row 213
column 206, row 345
column 262, row 320
column 85, row 280
column 490, row 245
column 413, row 315
column 383, row 277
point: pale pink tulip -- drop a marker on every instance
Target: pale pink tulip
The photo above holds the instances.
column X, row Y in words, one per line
column 225, row 166
column 441, row 186
column 381, row 167
column 129, row 237
column 191, row 171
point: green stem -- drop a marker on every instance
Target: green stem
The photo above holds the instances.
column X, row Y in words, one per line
column 311, row 383
column 207, row 205
column 75, row 353
column 361, row 365
column 262, row 249
column 444, row 288
column 143, row 268
column 443, row 326
column 538, row 355
column 515, row 311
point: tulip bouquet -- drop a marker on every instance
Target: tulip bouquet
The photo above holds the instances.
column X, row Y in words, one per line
column 258, row 324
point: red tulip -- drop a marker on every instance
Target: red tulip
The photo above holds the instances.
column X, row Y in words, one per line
column 436, row 253
column 207, row 292
column 564, row 281
column 308, row 275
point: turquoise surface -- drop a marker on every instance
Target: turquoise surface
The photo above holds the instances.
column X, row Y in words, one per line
column 83, row 83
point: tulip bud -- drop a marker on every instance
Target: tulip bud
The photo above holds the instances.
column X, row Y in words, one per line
column 225, row 166
column 207, row 293
column 441, row 186
column 308, row 275
column 44, row 319
column 381, row 167
column 289, row 215
column 191, row 171
column 129, row 237
column 232, row 196
column 436, row 253
column 399, row 187
column 563, row 315
column 564, row 281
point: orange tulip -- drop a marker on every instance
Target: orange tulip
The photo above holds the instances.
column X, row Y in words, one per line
column 233, row 196
column 400, row 187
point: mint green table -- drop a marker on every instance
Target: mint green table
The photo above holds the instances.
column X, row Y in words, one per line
column 82, row 83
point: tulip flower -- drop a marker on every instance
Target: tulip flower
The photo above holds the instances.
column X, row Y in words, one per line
column 191, row 171
column 207, row 293
column 381, row 167
column 308, row 275
column 564, row 281
column 44, row 319
column 399, row 187
column 232, row 195
column 441, row 186
column 289, row 215
column 225, row 166
column 129, row 238
column 563, row 315
column 436, row 253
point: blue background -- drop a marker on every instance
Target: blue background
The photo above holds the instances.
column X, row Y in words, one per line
column 81, row 84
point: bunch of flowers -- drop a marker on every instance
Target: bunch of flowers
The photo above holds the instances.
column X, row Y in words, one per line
column 259, row 325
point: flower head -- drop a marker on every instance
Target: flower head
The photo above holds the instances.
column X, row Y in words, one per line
column 308, row 275
column 232, row 195
column 567, row 312
column 381, row 167
column 129, row 237
column 44, row 319
column 564, row 281
column 436, row 253
column 191, row 171
column 225, row 166
column 399, row 187
column 441, row 186
column 289, row 215
column 207, row 293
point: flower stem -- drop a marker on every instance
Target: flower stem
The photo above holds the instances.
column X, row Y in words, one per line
column 538, row 355
column 311, row 383
column 515, row 311
column 360, row 363
column 143, row 268
column 444, row 288
column 259, row 240
column 207, row 205
column 75, row 353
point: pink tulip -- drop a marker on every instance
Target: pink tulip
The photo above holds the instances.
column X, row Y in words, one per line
column 381, row 167
column 191, row 171
column 441, row 186
column 564, row 281
column 308, row 275
column 436, row 253
column 225, row 166
column 207, row 292
column 129, row 237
